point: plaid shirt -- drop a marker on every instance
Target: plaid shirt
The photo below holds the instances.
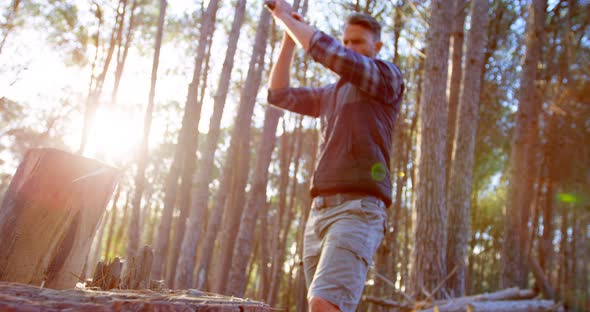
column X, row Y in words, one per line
column 356, row 114
column 379, row 79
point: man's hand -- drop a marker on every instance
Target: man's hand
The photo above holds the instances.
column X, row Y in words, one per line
column 293, row 22
column 270, row 4
column 279, row 8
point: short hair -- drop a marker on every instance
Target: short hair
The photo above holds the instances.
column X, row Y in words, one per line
column 367, row 21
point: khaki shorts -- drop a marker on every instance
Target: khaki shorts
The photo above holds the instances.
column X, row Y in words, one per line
column 338, row 247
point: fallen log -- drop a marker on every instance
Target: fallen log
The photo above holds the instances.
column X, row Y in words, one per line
column 20, row 298
column 49, row 216
column 498, row 306
column 511, row 299
column 388, row 303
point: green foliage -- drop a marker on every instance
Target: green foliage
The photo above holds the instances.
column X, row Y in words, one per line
column 65, row 29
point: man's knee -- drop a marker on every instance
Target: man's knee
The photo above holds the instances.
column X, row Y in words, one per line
column 319, row 304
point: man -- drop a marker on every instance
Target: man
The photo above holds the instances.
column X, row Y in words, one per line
column 351, row 185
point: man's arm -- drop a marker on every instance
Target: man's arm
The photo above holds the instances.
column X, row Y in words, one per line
column 299, row 100
column 382, row 80
column 280, row 72
column 304, row 101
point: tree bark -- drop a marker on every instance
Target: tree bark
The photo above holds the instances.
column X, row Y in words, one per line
column 522, row 158
column 111, row 232
column 301, row 286
column 428, row 257
column 119, row 240
column 186, row 184
column 96, row 85
column 142, row 158
column 456, row 73
column 49, row 217
column 200, row 195
column 122, row 55
column 186, row 142
column 256, row 201
column 239, row 153
column 407, row 213
column 285, row 225
column 461, row 173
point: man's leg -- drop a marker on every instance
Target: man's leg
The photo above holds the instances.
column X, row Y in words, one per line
column 350, row 234
column 319, row 304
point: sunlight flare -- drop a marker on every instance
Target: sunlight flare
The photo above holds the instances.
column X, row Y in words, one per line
column 116, row 134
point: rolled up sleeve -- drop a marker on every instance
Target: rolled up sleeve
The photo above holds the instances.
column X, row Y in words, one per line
column 304, row 101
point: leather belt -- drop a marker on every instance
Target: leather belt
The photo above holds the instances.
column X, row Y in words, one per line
column 323, row 201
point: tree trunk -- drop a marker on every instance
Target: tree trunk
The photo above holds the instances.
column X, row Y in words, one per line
column 119, row 240
column 256, row 200
column 461, row 173
column 112, row 224
column 95, row 91
column 186, row 184
column 409, row 196
column 122, row 55
column 456, row 73
column 388, row 253
column 142, row 158
column 200, row 196
column 49, row 217
column 239, row 153
column 428, row 257
column 288, row 216
column 265, row 259
column 285, row 156
column 522, row 158
column 301, row 290
column 398, row 24
column 186, row 142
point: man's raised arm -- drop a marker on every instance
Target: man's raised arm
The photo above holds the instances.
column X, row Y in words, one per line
column 280, row 72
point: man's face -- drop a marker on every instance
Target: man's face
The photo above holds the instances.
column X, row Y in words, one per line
column 360, row 40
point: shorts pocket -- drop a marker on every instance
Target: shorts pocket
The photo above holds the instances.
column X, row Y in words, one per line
column 356, row 243
column 374, row 214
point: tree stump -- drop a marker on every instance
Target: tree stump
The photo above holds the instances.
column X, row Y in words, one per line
column 136, row 271
column 107, row 276
column 49, row 216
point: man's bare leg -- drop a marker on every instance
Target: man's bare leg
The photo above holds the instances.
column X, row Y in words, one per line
column 319, row 304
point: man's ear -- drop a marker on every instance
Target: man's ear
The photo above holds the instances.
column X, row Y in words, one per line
column 378, row 46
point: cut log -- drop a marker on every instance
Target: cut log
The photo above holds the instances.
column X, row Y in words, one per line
column 20, row 298
column 49, row 216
